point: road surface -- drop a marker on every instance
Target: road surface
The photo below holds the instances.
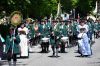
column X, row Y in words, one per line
column 65, row 59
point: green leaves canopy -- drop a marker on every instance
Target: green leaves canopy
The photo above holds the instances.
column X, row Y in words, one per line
column 41, row 8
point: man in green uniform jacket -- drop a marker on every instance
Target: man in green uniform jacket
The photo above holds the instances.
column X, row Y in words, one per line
column 44, row 32
column 55, row 38
column 12, row 47
column 96, row 29
column 91, row 29
column 63, row 33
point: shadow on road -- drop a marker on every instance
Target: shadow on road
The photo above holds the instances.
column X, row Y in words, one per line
column 54, row 56
column 83, row 56
column 63, row 52
column 2, row 63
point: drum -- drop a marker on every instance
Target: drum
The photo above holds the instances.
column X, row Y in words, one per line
column 64, row 39
column 45, row 39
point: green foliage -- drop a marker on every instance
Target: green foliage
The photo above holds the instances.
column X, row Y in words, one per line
column 41, row 8
column 74, row 3
column 34, row 8
column 68, row 5
column 86, row 6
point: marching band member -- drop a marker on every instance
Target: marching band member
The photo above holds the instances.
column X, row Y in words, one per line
column 55, row 38
column 91, row 29
column 97, row 29
column 43, row 29
column 75, row 23
column 34, row 33
column 48, row 30
column 12, row 47
column 48, row 24
column 70, row 33
column 23, row 31
column 28, row 25
column 84, row 45
column 30, row 34
column 64, row 33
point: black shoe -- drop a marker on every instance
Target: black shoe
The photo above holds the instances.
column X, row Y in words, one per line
column 53, row 54
column 88, row 56
column 57, row 56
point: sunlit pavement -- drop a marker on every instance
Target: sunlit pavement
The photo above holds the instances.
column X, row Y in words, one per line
column 65, row 59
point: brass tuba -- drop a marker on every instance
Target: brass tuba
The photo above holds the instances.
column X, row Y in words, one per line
column 16, row 18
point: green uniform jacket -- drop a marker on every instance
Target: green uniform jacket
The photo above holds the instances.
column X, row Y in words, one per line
column 91, row 26
column 96, row 26
column 48, row 26
column 29, row 28
column 64, row 30
column 57, row 34
column 9, row 44
column 75, row 28
column 32, row 32
column 71, row 28
column 99, row 26
column 43, row 29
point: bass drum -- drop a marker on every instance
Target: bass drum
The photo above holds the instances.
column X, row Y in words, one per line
column 64, row 39
column 45, row 39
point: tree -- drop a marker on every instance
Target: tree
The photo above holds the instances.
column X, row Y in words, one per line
column 85, row 7
column 41, row 8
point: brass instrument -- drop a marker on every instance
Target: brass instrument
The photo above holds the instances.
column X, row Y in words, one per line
column 16, row 18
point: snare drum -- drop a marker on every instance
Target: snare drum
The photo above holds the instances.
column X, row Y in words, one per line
column 64, row 39
column 45, row 39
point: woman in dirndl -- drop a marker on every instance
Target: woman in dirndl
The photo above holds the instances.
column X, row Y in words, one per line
column 23, row 32
column 84, row 45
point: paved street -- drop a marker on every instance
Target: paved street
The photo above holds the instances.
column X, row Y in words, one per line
column 66, row 59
